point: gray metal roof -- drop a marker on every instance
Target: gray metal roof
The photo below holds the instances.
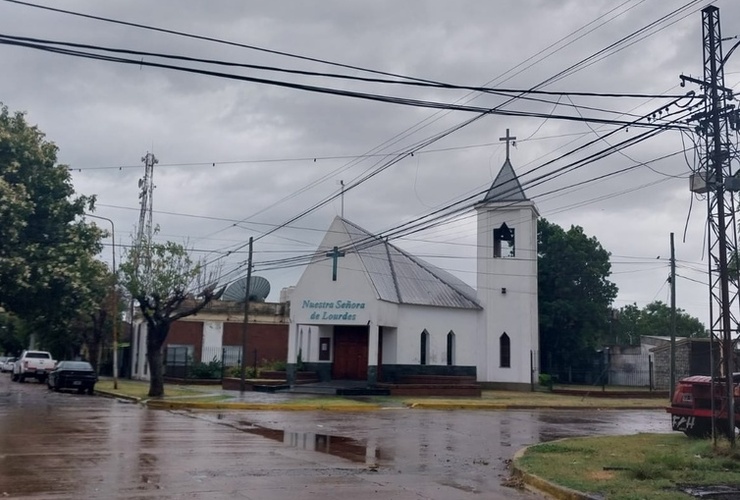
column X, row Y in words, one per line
column 506, row 186
column 402, row 278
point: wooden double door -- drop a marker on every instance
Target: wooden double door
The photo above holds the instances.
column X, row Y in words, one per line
column 350, row 353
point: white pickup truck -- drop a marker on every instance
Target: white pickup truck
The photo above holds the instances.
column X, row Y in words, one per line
column 35, row 364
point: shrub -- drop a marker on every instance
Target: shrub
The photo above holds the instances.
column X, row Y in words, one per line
column 236, row 372
column 210, row 370
column 274, row 366
column 546, row 380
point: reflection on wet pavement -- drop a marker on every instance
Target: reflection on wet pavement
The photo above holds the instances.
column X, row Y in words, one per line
column 338, row 446
column 70, row 446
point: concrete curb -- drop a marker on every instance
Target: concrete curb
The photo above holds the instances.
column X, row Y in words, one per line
column 115, row 395
column 432, row 405
column 179, row 405
column 421, row 405
column 545, row 486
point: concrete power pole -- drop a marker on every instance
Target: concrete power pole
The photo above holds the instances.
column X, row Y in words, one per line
column 716, row 180
column 673, row 319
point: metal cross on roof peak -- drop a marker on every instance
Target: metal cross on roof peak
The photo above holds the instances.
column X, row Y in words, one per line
column 334, row 254
column 508, row 139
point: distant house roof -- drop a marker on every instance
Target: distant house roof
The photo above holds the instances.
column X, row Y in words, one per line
column 506, row 186
column 401, row 278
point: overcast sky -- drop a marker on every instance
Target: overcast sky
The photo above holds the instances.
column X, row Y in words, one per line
column 238, row 158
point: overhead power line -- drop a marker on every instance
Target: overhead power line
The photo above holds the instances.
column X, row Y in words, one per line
column 404, row 101
column 408, row 81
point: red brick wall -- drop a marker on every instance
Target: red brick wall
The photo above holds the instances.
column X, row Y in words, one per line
column 271, row 341
column 188, row 333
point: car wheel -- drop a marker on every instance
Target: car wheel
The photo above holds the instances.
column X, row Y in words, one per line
column 14, row 377
column 21, row 378
column 48, row 383
column 91, row 391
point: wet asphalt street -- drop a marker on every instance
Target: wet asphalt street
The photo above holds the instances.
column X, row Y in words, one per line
column 64, row 445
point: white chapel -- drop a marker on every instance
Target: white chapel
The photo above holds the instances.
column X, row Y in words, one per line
column 366, row 310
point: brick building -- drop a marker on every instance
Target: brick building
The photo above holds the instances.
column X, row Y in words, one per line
column 215, row 333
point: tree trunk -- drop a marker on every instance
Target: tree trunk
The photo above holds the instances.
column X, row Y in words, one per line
column 154, row 343
column 156, row 373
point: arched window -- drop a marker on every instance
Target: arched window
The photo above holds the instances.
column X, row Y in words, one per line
column 424, row 348
column 504, row 344
column 451, row 348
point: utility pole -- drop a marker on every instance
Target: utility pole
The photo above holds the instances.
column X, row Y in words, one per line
column 242, row 382
column 673, row 318
column 718, row 184
column 342, row 184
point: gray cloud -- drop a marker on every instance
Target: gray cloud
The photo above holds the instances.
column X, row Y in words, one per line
column 106, row 115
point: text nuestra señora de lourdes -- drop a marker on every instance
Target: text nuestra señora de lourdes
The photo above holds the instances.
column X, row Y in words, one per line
column 333, row 310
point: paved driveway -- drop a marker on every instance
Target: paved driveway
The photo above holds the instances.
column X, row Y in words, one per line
column 68, row 446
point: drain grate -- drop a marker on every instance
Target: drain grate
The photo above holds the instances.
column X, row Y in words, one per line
column 712, row 491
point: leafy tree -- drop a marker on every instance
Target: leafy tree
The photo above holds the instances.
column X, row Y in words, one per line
column 574, row 296
column 654, row 319
column 13, row 334
column 43, row 239
column 95, row 326
column 168, row 286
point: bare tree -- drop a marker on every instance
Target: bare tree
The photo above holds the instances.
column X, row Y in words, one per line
column 167, row 285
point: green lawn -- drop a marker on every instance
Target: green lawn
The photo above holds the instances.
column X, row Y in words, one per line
column 140, row 389
column 633, row 467
column 515, row 399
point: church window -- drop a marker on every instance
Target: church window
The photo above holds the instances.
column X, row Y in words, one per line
column 504, row 344
column 503, row 241
column 451, row 348
column 424, row 348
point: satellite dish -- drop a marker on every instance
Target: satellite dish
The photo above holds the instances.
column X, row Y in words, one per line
column 258, row 292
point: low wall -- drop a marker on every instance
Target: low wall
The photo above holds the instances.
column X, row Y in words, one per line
column 235, row 384
column 395, row 374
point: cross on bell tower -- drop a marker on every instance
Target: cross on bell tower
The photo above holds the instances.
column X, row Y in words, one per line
column 508, row 139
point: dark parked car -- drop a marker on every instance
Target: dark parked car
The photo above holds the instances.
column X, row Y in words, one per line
column 73, row 375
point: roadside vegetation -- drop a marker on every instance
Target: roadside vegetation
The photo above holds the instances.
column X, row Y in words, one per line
column 140, row 390
column 655, row 466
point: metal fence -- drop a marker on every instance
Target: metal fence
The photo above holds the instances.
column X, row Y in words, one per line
column 215, row 362
column 624, row 370
column 177, row 361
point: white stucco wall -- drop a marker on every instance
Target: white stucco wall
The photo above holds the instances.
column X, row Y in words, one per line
column 139, row 368
column 213, row 333
column 507, row 287
column 438, row 322
column 390, row 345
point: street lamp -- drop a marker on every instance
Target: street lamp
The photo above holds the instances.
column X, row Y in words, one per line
column 115, row 302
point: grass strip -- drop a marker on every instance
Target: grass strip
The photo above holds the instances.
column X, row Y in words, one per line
column 653, row 466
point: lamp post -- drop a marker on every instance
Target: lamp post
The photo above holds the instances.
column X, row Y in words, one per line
column 115, row 302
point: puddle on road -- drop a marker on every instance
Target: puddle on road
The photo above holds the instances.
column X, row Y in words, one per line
column 338, row 446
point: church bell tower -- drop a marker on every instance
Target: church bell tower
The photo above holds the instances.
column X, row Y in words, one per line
column 507, row 282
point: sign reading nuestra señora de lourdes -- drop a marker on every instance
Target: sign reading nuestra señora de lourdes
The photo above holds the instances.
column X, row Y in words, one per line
column 337, row 310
